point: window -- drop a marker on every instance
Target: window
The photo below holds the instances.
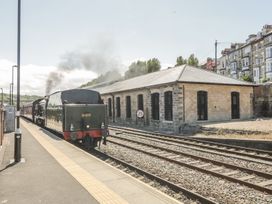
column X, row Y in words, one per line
column 269, row 66
column 269, row 52
column 257, row 61
column 155, row 106
column 140, row 102
column 202, row 105
column 168, row 105
column 245, row 62
column 128, row 107
column 109, row 107
column 235, row 105
column 118, row 107
column 233, row 66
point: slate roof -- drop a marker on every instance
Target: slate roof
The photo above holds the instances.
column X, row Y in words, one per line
column 184, row 73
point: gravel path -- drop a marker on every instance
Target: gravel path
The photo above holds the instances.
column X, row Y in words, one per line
column 221, row 190
column 264, row 125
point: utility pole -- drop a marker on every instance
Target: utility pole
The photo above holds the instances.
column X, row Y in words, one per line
column 10, row 93
column 215, row 57
column 2, row 98
column 18, row 134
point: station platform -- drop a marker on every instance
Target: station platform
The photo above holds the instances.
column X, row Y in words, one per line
column 55, row 171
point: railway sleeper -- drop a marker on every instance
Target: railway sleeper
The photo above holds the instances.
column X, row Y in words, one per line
column 246, row 177
column 231, row 173
column 193, row 162
column 217, row 168
column 265, row 183
column 204, row 165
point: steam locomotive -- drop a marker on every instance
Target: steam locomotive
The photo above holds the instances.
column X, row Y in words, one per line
column 78, row 114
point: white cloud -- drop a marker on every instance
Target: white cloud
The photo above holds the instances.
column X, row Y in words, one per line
column 33, row 78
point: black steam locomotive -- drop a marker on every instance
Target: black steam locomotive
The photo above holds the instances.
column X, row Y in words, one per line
column 78, row 114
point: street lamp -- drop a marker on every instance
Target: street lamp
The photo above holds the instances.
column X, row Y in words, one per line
column 10, row 94
column 215, row 50
column 12, row 83
column 215, row 55
column 18, row 134
column 2, row 98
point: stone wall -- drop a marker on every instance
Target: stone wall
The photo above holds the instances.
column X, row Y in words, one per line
column 184, row 116
column 263, row 100
column 219, row 101
column 147, row 122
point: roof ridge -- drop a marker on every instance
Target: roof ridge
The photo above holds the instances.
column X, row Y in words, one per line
column 151, row 73
column 221, row 75
column 184, row 66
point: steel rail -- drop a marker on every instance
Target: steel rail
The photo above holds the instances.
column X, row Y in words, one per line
column 175, row 187
column 191, row 141
column 206, row 171
column 199, row 149
column 250, row 171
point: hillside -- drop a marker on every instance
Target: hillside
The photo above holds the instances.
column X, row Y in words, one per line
column 24, row 98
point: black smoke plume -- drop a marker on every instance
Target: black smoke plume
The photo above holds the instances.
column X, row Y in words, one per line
column 98, row 59
column 53, row 80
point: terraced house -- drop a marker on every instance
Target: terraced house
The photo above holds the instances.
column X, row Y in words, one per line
column 252, row 59
column 168, row 99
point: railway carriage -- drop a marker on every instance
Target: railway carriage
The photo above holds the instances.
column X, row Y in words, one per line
column 31, row 110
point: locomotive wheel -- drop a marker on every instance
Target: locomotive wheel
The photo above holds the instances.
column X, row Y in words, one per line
column 89, row 142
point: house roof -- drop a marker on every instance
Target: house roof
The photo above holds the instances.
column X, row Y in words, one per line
column 184, row 73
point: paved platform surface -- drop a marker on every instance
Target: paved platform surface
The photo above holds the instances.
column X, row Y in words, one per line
column 54, row 171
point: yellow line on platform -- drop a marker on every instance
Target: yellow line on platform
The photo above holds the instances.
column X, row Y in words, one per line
column 97, row 189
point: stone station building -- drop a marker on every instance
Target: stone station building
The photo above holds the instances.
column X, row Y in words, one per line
column 171, row 98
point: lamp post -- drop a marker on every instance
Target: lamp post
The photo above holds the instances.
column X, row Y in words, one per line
column 215, row 55
column 12, row 83
column 10, row 94
column 18, row 134
column 215, row 52
column 2, row 98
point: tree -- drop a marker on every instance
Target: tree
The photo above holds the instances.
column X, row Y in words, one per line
column 112, row 75
column 136, row 69
column 153, row 65
column 247, row 78
column 192, row 60
column 180, row 61
column 142, row 67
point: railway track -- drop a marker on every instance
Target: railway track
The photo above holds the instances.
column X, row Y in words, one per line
column 174, row 187
column 248, row 154
column 177, row 187
column 250, row 178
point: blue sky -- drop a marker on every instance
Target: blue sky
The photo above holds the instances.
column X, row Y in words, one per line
column 127, row 30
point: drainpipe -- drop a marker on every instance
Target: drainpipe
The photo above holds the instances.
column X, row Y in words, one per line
column 183, row 98
column 113, row 108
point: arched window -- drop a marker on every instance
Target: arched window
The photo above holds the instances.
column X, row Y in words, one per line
column 202, row 105
column 168, row 106
column 118, row 107
column 140, row 102
column 155, row 106
column 109, row 107
column 128, row 107
column 235, row 105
